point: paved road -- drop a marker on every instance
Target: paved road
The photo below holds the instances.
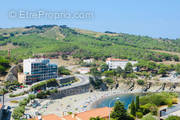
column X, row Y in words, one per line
column 170, row 111
column 83, row 79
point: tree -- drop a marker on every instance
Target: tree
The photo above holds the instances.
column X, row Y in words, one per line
column 109, row 80
column 119, row 70
column 133, row 108
column 1, row 38
column 109, row 73
column 163, row 70
column 96, row 82
column 3, row 92
column 151, row 65
column 4, row 65
column 23, row 102
column 140, row 82
column 137, row 103
column 124, row 75
column 63, row 71
column 176, row 58
column 94, row 71
column 131, row 75
column 119, row 112
column 104, row 67
column 128, row 68
column 41, row 95
column 12, row 34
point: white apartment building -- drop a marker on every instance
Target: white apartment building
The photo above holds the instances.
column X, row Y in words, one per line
column 115, row 63
column 38, row 69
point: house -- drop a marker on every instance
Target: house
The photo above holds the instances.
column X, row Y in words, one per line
column 98, row 112
column 84, row 70
column 88, row 61
column 35, row 70
column 115, row 63
column 47, row 117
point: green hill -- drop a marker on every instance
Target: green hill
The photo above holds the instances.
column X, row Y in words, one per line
column 34, row 40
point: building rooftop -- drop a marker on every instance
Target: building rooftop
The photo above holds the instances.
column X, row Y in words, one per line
column 37, row 60
column 47, row 117
column 101, row 112
column 113, row 59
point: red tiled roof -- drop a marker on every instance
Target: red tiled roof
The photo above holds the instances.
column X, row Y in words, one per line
column 113, row 59
column 99, row 112
column 48, row 117
column 68, row 117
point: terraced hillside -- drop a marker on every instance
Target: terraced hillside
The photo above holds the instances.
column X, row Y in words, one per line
column 50, row 39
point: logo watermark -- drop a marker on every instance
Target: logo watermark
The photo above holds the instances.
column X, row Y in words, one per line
column 52, row 15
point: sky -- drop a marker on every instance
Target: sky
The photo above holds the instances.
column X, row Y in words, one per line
column 155, row 18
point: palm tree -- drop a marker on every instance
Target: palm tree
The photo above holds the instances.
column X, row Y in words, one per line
column 3, row 92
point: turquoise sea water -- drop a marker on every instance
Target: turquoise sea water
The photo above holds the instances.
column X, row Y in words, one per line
column 125, row 99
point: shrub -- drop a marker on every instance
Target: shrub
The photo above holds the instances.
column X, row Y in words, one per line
column 158, row 99
column 109, row 80
column 24, row 102
column 42, row 85
column 69, row 113
column 14, row 101
column 41, row 95
column 53, row 91
column 48, row 92
column 12, row 84
column 170, row 104
column 173, row 118
column 148, row 117
column 12, row 95
column 63, row 71
column 31, row 96
column 149, row 108
column 19, row 94
column 140, row 82
column 18, row 112
column 139, row 114
column 109, row 73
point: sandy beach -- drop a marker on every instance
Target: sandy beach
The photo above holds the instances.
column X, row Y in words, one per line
column 81, row 102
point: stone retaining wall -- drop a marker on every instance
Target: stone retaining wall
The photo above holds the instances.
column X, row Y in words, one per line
column 71, row 91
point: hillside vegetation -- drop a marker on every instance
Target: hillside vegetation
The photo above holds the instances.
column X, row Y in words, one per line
column 4, row 65
column 35, row 40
